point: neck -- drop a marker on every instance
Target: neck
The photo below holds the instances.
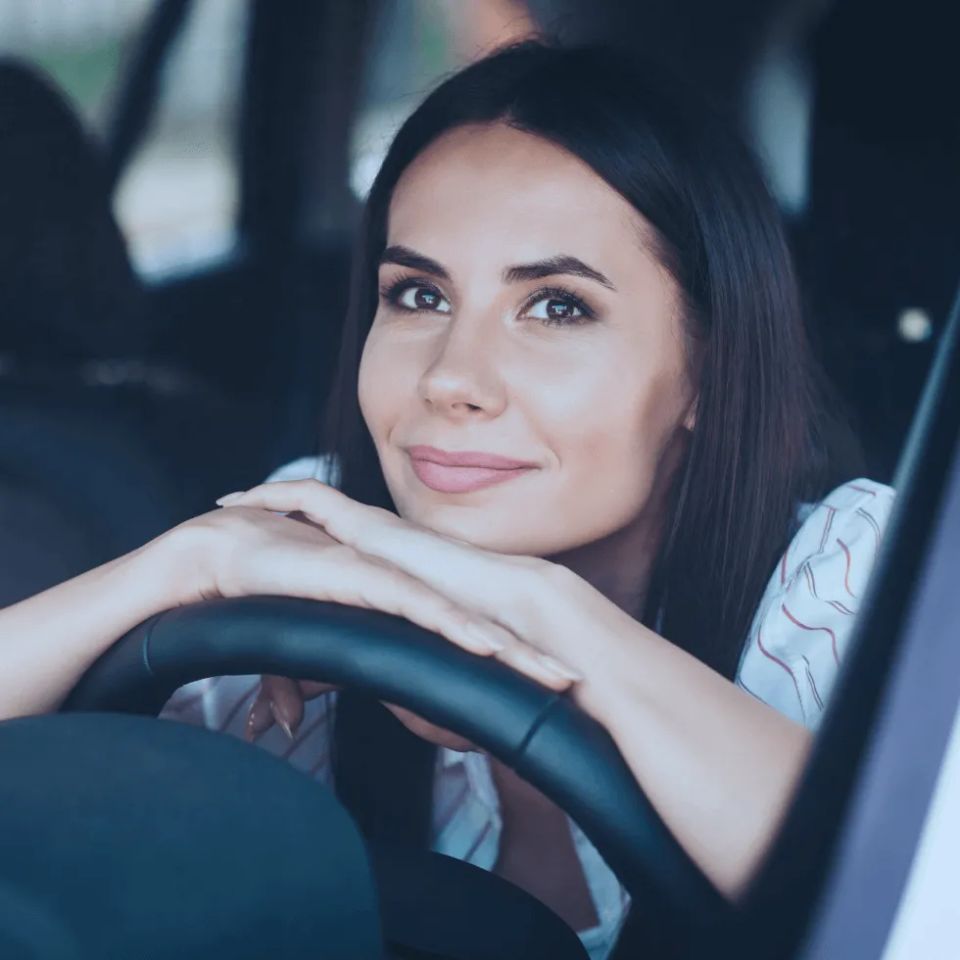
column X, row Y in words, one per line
column 619, row 565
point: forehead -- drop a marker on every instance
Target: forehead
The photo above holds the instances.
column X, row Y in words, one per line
column 509, row 195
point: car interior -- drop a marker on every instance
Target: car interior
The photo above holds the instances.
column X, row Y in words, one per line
column 187, row 351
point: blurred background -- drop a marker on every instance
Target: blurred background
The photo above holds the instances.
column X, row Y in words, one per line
column 180, row 181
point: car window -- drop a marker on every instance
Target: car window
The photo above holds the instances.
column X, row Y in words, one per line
column 80, row 44
column 415, row 43
column 177, row 198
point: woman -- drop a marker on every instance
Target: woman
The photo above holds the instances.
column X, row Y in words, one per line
column 577, row 428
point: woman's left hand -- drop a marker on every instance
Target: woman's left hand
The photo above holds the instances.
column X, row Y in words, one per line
column 521, row 593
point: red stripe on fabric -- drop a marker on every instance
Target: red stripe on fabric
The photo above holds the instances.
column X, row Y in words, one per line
column 813, row 684
column 780, row 663
column 476, row 843
column 869, row 493
column 846, row 573
column 739, row 682
column 807, row 626
column 837, row 605
column 826, row 528
column 812, row 586
column 874, row 526
column 232, row 712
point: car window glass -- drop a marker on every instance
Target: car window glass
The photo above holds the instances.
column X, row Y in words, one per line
column 80, row 44
column 415, row 43
column 177, row 199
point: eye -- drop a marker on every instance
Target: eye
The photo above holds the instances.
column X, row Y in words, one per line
column 415, row 296
column 557, row 307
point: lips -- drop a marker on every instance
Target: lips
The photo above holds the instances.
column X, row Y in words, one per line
column 463, row 471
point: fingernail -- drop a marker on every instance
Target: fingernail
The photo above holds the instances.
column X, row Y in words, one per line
column 258, row 720
column 560, row 669
column 282, row 722
column 229, row 498
column 484, row 638
column 248, row 733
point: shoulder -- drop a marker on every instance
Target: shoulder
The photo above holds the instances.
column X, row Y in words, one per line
column 323, row 468
column 800, row 632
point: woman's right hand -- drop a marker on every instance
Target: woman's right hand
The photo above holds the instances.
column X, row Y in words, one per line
column 244, row 551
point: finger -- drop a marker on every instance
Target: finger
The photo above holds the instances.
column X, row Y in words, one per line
column 350, row 577
column 317, row 501
column 309, row 689
column 540, row 667
column 354, row 578
column 260, row 717
column 286, row 702
column 459, row 570
column 372, row 530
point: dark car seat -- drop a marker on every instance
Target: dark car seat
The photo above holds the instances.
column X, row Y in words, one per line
column 79, row 481
column 68, row 292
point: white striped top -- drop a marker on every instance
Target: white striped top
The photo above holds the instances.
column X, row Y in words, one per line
column 789, row 661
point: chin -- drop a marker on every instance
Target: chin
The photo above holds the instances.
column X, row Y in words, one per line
column 483, row 529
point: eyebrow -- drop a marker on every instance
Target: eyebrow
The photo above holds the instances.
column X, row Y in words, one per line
column 405, row 257
column 550, row 267
column 553, row 266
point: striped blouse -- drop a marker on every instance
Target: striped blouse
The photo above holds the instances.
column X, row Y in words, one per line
column 789, row 661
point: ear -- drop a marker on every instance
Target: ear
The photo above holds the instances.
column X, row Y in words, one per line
column 690, row 417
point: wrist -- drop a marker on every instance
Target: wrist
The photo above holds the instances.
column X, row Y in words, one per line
column 592, row 635
column 175, row 568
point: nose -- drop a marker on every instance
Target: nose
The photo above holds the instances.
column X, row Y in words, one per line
column 462, row 381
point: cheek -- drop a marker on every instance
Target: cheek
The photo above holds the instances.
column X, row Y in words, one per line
column 380, row 383
column 611, row 440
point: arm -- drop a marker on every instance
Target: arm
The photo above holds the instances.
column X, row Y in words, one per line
column 719, row 765
column 49, row 640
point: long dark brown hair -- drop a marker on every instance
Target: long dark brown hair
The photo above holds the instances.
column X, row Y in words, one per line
column 760, row 444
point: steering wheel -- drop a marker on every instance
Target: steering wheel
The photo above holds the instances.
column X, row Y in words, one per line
column 542, row 735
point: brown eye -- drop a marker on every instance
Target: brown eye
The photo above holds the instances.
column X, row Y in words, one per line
column 419, row 297
column 558, row 308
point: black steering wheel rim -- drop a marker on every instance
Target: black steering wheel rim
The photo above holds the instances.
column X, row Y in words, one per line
column 552, row 744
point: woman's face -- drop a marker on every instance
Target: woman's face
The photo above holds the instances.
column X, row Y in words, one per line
column 523, row 316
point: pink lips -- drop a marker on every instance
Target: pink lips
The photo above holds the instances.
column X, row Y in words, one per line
column 463, row 471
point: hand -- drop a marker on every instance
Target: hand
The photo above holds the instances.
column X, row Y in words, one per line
column 281, row 699
column 266, row 553
column 244, row 551
column 529, row 597
column 506, row 587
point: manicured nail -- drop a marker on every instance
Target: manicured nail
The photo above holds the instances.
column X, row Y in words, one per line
column 560, row 669
column 229, row 498
column 282, row 722
column 259, row 720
